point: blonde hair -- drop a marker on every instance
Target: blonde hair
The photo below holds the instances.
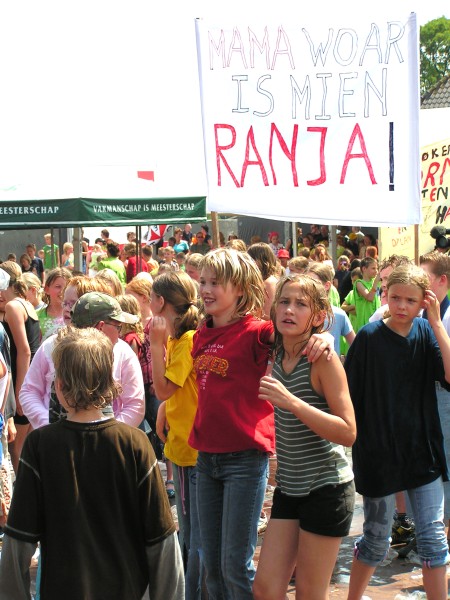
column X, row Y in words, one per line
column 32, row 281
column 130, row 305
column 66, row 246
column 84, row 284
column 319, row 304
column 141, row 286
column 299, row 263
column 178, row 290
column 439, row 263
column 163, row 268
column 323, row 272
column 236, row 244
column 194, row 260
column 409, row 275
column 113, row 282
column 16, row 278
column 83, row 360
column 240, row 270
column 130, row 249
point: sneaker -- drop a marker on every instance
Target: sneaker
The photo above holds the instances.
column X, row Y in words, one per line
column 407, row 549
column 262, row 523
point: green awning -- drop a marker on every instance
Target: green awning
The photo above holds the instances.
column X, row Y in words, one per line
column 89, row 212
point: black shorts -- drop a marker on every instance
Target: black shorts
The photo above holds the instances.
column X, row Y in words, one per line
column 326, row 511
column 21, row 420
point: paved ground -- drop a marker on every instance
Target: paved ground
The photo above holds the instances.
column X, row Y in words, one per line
column 397, row 580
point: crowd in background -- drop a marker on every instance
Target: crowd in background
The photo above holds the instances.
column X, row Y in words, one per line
column 169, row 310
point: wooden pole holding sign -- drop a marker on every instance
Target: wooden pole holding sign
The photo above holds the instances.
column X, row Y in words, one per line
column 215, row 229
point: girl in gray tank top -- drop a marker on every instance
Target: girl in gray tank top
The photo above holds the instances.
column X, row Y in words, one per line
column 314, row 419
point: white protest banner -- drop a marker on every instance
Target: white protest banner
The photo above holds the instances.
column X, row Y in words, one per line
column 435, row 190
column 312, row 120
column 396, row 240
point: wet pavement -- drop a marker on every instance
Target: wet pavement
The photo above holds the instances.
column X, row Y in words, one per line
column 397, row 579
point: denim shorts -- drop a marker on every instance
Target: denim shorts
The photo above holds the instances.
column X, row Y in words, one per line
column 326, row 511
column 427, row 504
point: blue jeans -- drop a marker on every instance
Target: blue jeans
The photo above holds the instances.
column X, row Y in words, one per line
column 185, row 481
column 427, row 504
column 443, row 398
column 230, row 495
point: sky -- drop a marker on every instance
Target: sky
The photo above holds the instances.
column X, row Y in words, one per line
column 88, row 82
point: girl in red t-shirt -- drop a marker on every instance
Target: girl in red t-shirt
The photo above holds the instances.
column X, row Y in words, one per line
column 233, row 429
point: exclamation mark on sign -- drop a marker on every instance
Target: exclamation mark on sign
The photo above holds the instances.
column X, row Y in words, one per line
column 391, row 156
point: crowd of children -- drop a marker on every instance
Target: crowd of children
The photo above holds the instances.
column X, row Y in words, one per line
column 222, row 357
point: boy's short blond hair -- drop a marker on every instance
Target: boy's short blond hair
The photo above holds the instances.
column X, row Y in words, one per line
column 83, row 360
column 110, row 277
column 195, row 260
column 84, row 284
column 439, row 263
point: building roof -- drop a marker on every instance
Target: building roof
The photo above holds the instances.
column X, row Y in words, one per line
column 438, row 96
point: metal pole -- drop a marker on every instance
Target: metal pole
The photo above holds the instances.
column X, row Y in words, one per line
column 332, row 246
column 294, row 239
column 138, row 249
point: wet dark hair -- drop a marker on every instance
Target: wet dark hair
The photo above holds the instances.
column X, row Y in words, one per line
column 318, row 301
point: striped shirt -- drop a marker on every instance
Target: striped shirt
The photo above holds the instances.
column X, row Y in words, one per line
column 306, row 462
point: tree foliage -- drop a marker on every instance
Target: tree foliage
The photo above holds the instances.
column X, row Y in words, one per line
column 434, row 53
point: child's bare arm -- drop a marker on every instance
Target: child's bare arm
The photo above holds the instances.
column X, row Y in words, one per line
column 350, row 337
column 330, row 381
column 164, row 388
column 348, row 308
column 368, row 295
column 161, row 422
column 318, row 344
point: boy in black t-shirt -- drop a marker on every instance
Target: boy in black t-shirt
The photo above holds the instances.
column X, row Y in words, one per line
column 89, row 489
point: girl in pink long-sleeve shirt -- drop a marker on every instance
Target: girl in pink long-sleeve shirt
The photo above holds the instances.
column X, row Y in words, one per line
column 37, row 386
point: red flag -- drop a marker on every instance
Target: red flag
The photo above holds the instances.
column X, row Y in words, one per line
column 155, row 233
